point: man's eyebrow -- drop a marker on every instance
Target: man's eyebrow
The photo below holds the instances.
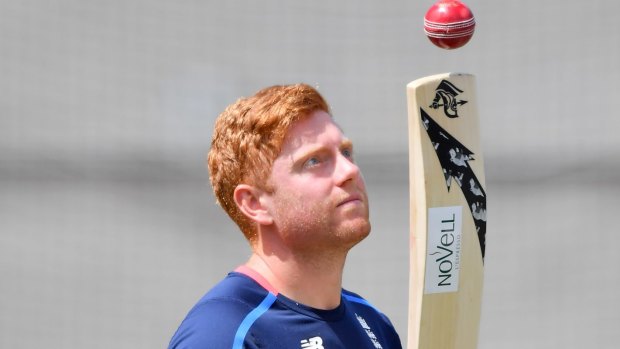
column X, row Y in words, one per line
column 301, row 155
column 346, row 143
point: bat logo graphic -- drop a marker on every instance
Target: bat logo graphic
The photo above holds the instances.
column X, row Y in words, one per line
column 454, row 157
column 445, row 96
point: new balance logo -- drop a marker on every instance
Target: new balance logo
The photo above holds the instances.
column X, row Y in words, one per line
column 312, row 343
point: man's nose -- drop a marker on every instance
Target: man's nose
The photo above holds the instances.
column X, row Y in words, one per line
column 346, row 170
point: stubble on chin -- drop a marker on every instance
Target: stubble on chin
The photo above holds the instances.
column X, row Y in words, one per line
column 317, row 232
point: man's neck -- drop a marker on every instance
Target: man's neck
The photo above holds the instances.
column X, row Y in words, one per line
column 313, row 281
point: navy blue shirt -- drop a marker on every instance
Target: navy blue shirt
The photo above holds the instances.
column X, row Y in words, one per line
column 242, row 311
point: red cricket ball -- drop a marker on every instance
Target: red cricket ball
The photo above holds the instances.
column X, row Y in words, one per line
column 449, row 24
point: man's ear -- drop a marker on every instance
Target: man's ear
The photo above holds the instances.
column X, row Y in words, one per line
column 248, row 199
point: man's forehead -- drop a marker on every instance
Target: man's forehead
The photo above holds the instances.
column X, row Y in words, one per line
column 317, row 127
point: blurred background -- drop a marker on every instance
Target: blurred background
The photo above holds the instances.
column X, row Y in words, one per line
column 109, row 231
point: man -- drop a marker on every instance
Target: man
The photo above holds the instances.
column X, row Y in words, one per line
column 284, row 172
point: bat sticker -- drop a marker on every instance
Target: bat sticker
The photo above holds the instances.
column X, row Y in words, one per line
column 444, row 249
column 454, row 157
column 445, row 96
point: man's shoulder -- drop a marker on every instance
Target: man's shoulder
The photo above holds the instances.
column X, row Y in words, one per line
column 236, row 294
column 235, row 287
column 371, row 317
column 217, row 315
column 358, row 301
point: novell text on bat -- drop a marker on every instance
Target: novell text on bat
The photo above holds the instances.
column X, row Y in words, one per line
column 443, row 246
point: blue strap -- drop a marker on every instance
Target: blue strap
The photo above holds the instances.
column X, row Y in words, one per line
column 249, row 320
column 358, row 300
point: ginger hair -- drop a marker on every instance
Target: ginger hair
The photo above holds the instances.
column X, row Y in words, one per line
column 247, row 138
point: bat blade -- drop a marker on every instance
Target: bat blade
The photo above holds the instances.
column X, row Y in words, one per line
column 447, row 213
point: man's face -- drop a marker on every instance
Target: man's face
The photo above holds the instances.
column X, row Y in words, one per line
column 319, row 198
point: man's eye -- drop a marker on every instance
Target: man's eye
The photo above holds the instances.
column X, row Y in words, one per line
column 312, row 162
column 347, row 153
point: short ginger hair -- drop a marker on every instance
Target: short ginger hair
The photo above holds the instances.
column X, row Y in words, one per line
column 248, row 137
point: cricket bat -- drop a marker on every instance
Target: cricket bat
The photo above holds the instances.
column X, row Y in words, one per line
column 447, row 213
